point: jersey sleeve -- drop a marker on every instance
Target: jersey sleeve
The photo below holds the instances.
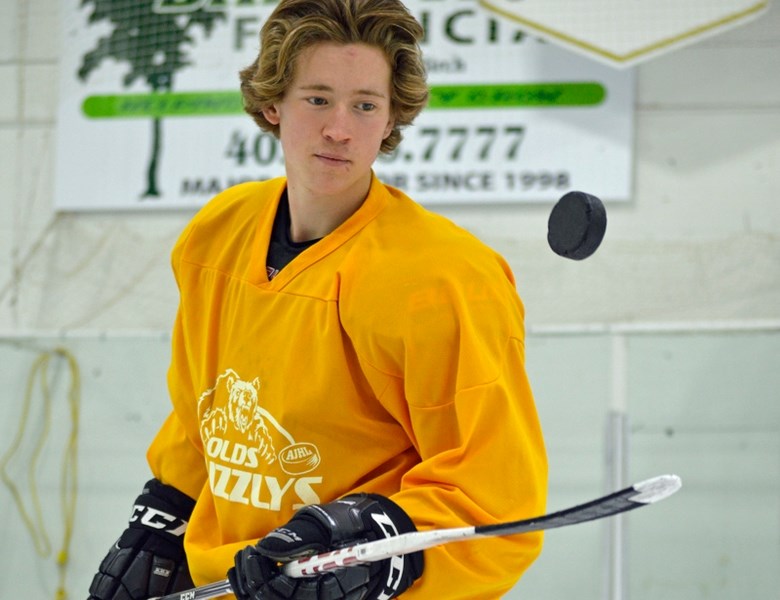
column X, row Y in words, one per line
column 176, row 452
column 448, row 361
column 483, row 462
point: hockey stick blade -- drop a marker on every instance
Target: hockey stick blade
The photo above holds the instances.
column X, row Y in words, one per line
column 640, row 494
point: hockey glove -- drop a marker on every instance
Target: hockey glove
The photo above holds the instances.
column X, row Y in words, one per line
column 148, row 559
column 320, row 528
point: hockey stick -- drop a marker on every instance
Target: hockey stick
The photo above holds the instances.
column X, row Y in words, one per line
column 640, row 494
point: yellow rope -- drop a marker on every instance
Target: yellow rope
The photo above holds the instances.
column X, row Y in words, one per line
column 68, row 485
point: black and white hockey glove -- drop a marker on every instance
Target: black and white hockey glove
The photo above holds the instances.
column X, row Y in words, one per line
column 319, row 528
column 148, row 559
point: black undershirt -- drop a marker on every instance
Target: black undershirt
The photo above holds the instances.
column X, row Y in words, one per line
column 282, row 250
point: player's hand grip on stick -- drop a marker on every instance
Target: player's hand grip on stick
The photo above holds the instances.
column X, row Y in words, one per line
column 640, row 494
column 318, row 528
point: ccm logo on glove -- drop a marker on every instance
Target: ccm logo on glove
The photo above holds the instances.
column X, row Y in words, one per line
column 157, row 519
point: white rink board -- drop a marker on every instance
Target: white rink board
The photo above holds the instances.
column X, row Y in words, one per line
column 717, row 427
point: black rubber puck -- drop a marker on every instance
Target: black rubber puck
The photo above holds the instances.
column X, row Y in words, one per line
column 576, row 225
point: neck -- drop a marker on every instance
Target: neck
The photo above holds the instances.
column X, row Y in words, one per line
column 313, row 216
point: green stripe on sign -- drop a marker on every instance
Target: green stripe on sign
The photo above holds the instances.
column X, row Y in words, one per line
column 517, row 95
column 169, row 104
column 191, row 104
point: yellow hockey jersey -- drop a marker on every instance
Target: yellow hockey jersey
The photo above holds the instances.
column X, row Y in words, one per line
column 388, row 358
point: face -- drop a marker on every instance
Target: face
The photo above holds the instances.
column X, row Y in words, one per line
column 333, row 119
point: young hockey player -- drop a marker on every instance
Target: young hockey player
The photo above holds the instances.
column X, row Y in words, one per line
column 346, row 365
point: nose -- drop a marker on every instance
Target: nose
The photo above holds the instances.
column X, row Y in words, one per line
column 337, row 127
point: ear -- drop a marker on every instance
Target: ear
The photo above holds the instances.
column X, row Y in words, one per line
column 389, row 128
column 271, row 114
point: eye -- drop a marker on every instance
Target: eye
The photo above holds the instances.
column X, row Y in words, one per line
column 367, row 106
column 317, row 101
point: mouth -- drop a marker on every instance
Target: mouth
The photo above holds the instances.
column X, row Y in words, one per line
column 332, row 159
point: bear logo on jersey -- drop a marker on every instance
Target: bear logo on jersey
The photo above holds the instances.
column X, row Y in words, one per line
column 242, row 413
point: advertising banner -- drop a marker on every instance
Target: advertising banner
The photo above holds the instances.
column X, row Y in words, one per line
column 150, row 116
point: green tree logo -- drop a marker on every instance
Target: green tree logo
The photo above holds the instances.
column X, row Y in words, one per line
column 153, row 43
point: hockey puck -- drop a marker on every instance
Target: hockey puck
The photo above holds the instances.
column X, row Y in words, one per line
column 576, row 225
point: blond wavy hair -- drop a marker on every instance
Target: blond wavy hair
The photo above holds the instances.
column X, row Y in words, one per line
column 297, row 24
